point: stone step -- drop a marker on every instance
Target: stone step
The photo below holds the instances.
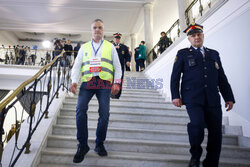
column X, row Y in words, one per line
column 128, row 109
column 62, row 157
column 141, row 115
column 136, row 87
column 143, row 124
column 145, row 146
column 141, row 134
column 171, row 118
column 144, row 131
column 70, row 120
column 123, row 99
column 124, row 89
column 129, row 105
column 161, row 113
column 144, row 92
column 133, row 74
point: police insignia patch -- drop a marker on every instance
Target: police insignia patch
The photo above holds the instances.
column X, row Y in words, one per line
column 123, row 52
column 216, row 65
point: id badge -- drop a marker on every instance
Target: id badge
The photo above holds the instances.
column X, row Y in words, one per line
column 95, row 65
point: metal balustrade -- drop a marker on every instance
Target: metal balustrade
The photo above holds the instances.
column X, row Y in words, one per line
column 31, row 93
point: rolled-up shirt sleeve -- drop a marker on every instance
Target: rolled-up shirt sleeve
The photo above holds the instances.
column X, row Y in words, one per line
column 77, row 66
column 117, row 66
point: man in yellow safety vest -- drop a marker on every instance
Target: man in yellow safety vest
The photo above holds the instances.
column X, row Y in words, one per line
column 98, row 62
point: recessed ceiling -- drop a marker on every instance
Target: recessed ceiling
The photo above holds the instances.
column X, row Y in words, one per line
column 69, row 16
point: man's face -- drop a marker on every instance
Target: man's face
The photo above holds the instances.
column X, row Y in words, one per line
column 117, row 40
column 196, row 39
column 97, row 30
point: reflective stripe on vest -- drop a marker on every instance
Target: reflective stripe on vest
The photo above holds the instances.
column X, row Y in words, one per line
column 107, row 68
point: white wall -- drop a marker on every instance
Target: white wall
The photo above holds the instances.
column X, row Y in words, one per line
column 233, row 41
column 165, row 13
column 227, row 31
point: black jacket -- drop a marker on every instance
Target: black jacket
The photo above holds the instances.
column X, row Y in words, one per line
column 202, row 78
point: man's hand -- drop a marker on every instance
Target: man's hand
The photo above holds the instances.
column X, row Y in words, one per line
column 177, row 102
column 117, row 47
column 73, row 88
column 128, row 64
column 115, row 89
column 229, row 105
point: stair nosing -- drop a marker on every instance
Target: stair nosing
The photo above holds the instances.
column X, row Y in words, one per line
column 139, row 130
column 145, row 142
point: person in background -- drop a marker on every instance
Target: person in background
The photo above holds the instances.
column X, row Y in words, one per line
column 142, row 55
column 130, row 53
column 57, row 50
column 164, row 42
column 124, row 58
column 202, row 79
column 76, row 49
column 68, row 52
column 137, row 62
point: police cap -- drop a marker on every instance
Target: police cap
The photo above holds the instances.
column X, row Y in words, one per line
column 193, row 28
column 117, row 35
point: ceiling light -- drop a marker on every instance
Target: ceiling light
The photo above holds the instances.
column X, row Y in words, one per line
column 46, row 44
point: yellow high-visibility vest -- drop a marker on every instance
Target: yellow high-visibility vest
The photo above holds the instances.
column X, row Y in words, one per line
column 107, row 68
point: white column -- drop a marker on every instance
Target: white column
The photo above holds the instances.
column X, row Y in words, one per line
column 133, row 46
column 182, row 5
column 148, row 27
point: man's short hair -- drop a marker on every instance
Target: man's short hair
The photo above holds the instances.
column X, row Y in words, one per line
column 96, row 20
column 143, row 42
column 163, row 32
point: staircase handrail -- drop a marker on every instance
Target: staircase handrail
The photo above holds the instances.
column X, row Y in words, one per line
column 50, row 80
column 167, row 32
column 25, row 83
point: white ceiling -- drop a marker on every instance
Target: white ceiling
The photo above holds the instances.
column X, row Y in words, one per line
column 69, row 18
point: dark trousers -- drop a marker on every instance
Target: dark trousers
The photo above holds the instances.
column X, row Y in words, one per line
column 137, row 65
column 142, row 65
column 202, row 116
column 102, row 91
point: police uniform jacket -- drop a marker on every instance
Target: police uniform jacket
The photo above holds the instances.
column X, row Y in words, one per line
column 123, row 55
column 202, row 78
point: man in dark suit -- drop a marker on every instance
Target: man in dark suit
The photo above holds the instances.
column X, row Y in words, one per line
column 202, row 79
column 124, row 57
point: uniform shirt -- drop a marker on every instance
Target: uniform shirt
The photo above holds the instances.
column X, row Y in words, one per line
column 201, row 49
column 79, row 59
column 202, row 77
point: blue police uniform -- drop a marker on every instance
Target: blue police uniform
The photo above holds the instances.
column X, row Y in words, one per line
column 202, row 78
column 123, row 57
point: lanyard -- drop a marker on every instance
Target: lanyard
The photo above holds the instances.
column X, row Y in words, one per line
column 97, row 48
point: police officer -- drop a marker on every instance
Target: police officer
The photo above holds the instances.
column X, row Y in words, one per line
column 202, row 79
column 124, row 57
